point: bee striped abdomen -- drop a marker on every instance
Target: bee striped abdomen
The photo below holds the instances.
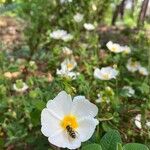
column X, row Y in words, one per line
column 71, row 132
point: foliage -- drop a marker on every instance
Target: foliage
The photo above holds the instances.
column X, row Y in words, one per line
column 110, row 141
column 39, row 57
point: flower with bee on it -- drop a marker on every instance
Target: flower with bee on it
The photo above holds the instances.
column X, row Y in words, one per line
column 67, row 123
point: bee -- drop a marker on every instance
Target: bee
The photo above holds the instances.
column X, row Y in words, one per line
column 71, row 132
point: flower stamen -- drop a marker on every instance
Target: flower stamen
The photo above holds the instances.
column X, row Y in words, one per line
column 69, row 120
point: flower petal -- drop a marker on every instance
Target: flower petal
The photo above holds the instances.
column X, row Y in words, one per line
column 83, row 108
column 86, row 128
column 97, row 73
column 63, row 140
column 60, row 105
column 50, row 124
column 79, row 97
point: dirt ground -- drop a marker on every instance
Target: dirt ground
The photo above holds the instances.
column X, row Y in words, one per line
column 11, row 32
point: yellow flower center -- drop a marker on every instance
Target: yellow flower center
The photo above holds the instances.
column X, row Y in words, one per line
column 142, row 72
column 69, row 66
column 114, row 49
column 106, row 76
column 69, row 120
column 133, row 64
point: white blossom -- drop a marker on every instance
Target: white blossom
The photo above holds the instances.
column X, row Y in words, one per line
column 105, row 73
column 114, row 47
column 78, row 17
column 62, row 113
column 89, row 26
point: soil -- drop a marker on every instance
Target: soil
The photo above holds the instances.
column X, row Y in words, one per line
column 11, row 32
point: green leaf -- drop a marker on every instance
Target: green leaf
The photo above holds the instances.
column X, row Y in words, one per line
column 119, row 146
column 35, row 117
column 39, row 105
column 91, row 147
column 110, row 140
column 135, row 146
column 144, row 88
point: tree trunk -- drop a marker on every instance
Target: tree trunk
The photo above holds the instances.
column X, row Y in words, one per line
column 142, row 13
column 119, row 10
column 133, row 8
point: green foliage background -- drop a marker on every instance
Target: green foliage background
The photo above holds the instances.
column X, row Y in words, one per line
column 20, row 112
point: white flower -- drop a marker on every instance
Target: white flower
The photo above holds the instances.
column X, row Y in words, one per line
column 89, row 26
column 148, row 124
column 65, row 1
column 143, row 71
column 130, row 90
column 67, row 51
column 138, row 121
column 61, row 35
column 69, row 64
column 32, row 63
column 132, row 66
column 114, row 47
column 65, row 73
column 94, row 7
column 126, row 49
column 105, row 73
column 66, row 68
column 58, row 34
column 78, row 17
column 20, row 86
column 62, row 115
column 99, row 100
column 67, row 37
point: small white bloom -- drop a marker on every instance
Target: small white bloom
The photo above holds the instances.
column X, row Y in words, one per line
column 20, row 86
column 143, row 71
column 67, row 37
column 66, row 68
column 148, row 124
column 65, row 73
column 65, row 1
column 114, row 47
column 89, row 26
column 61, row 35
column 58, row 34
column 67, row 51
column 130, row 90
column 62, row 113
column 32, row 63
column 126, row 49
column 78, row 17
column 94, row 7
column 138, row 121
column 132, row 66
column 99, row 100
column 105, row 73
column 69, row 64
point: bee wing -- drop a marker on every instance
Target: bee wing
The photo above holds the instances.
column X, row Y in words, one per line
column 77, row 134
column 70, row 139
